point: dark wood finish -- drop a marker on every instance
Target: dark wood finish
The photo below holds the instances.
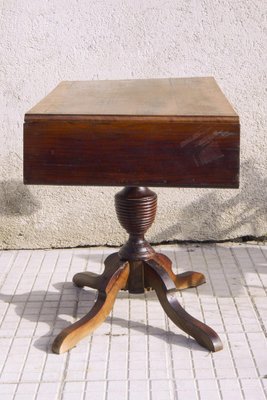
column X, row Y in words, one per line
column 158, row 276
column 160, row 280
column 185, row 126
column 136, row 280
column 112, row 280
column 163, row 132
column 136, row 268
column 136, row 210
column 184, row 280
column 125, row 152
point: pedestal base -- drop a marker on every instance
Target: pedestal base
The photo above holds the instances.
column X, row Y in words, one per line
column 136, row 268
column 156, row 273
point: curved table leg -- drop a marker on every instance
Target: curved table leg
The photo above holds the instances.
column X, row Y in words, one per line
column 184, row 280
column 159, row 279
column 86, row 278
column 92, row 280
column 112, row 280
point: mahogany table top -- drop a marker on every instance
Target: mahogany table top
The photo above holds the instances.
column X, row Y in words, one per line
column 179, row 132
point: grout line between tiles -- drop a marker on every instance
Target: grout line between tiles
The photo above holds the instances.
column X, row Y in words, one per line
column 21, row 372
column 10, row 302
column 256, row 312
column 218, row 305
column 191, row 350
column 228, row 299
column 62, row 383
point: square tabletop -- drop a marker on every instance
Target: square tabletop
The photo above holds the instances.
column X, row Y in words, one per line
column 179, row 97
column 179, row 132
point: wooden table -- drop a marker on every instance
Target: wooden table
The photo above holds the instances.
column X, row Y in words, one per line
column 134, row 133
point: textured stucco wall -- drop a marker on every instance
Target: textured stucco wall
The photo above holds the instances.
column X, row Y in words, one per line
column 44, row 42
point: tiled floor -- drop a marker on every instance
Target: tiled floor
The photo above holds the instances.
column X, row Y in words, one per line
column 137, row 354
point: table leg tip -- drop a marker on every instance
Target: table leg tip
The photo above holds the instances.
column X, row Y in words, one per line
column 59, row 345
column 212, row 344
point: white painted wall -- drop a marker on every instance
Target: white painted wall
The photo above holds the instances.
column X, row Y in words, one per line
column 45, row 41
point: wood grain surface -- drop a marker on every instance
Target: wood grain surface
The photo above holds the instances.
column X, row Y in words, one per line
column 150, row 97
column 161, row 282
column 137, row 268
column 112, row 280
column 158, row 132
